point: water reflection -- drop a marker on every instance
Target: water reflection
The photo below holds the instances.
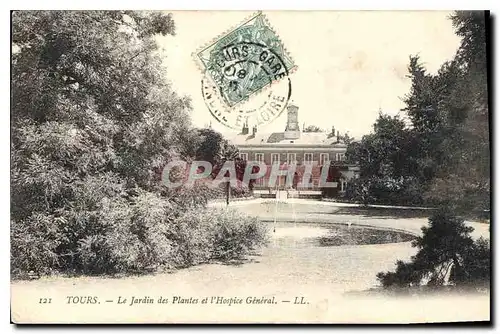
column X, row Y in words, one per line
column 330, row 235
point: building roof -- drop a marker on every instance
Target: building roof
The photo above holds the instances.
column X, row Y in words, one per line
column 292, row 136
column 270, row 139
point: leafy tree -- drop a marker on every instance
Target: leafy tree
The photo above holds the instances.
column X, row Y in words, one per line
column 388, row 169
column 471, row 26
column 464, row 180
column 76, row 113
column 94, row 120
column 210, row 146
column 441, row 157
column 202, row 145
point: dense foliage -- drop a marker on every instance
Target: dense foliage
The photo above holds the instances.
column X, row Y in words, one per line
column 94, row 121
column 447, row 254
column 440, row 155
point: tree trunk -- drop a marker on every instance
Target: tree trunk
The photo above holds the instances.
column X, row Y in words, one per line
column 228, row 189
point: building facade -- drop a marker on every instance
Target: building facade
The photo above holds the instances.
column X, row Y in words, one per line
column 320, row 150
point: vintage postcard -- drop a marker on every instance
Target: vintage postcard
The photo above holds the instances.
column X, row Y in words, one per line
column 172, row 167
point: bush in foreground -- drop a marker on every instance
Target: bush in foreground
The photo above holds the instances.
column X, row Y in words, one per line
column 218, row 234
column 143, row 236
column 447, row 255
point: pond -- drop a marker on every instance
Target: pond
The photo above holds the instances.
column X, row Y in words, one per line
column 316, row 224
column 301, row 234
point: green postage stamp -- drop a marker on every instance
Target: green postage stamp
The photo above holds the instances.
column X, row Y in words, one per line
column 246, row 60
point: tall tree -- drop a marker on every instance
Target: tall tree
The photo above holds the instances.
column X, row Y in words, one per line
column 94, row 120
column 388, row 171
column 464, row 179
column 443, row 154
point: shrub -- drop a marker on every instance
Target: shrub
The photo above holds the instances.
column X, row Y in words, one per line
column 234, row 234
column 218, row 234
column 33, row 245
column 446, row 255
column 142, row 234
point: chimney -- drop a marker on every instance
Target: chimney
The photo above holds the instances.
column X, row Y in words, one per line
column 244, row 130
column 254, row 130
column 333, row 131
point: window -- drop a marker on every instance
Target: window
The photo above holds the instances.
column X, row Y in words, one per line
column 308, row 158
column 244, row 156
column 275, row 158
column 341, row 156
column 291, row 158
column 337, row 156
column 323, row 159
column 259, row 157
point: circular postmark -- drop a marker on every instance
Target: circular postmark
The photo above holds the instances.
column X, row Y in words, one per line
column 236, row 75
